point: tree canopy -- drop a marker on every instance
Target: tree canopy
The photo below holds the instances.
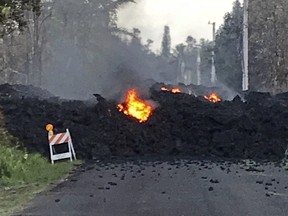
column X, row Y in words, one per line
column 228, row 48
column 166, row 42
column 268, row 46
column 12, row 13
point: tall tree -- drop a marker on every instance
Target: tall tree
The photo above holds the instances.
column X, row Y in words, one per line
column 166, row 42
column 268, row 24
column 268, row 46
column 206, row 47
column 12, row 13
column 148, row 44
column 228, row 48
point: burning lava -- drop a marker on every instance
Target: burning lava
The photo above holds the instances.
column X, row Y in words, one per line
column 173, row 90
column 213, row 98
column 135, row 107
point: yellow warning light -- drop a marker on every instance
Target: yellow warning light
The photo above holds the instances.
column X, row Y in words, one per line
column 49, row 127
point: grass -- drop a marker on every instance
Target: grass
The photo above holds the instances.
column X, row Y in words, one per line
column 13, row 196
column 23, row 175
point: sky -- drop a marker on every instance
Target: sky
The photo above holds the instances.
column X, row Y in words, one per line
column 184, row 17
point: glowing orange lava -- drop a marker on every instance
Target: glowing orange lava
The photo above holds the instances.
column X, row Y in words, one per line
column 135, row 107
column 173, row 90
column 164, row 88
column 213, row 98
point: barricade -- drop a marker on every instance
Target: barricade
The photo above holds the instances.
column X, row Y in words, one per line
column 58, row 139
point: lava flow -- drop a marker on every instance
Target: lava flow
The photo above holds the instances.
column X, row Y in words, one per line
column 135, row 107
column 213, row 98
column 173, row 90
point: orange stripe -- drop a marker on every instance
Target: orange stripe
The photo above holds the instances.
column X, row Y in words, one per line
column 51, row 138
column 66, row 140
column 59, row 139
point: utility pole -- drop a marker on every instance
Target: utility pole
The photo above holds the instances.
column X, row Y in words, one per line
column 245, row 80
column 213, row 30
column 198, row 65
column 213, row 71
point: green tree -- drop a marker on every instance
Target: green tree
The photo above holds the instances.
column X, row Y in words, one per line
column 148, row 44
column 12, row 13
column 206, row 48
column 46, row 24
column 268, row 45
column 166, row 42
column 228, row 48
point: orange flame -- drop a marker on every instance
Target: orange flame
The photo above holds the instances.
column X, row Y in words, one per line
column 135, row 107
column 173, row 90
column 213, row 98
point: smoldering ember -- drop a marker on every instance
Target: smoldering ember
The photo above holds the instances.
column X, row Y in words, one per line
column 252, row 125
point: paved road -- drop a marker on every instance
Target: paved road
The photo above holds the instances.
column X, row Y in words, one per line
column 181, row 188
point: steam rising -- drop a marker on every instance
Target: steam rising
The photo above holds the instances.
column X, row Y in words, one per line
column 84, row 57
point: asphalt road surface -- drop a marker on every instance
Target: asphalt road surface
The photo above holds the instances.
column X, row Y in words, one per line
column 168, row 188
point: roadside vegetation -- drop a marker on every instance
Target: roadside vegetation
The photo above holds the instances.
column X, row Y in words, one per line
column 23, row 175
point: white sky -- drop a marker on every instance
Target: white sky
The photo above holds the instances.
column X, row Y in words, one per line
column 184, row 17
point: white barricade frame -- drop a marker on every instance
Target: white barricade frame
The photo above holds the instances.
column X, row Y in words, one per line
column 58, row 139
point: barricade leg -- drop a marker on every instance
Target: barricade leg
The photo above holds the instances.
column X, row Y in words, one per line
column 72, row 149
column 71, row 144
column 51, row 153
column 69, row 148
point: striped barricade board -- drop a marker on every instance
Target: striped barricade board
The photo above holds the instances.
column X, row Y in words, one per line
column 61, row 138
